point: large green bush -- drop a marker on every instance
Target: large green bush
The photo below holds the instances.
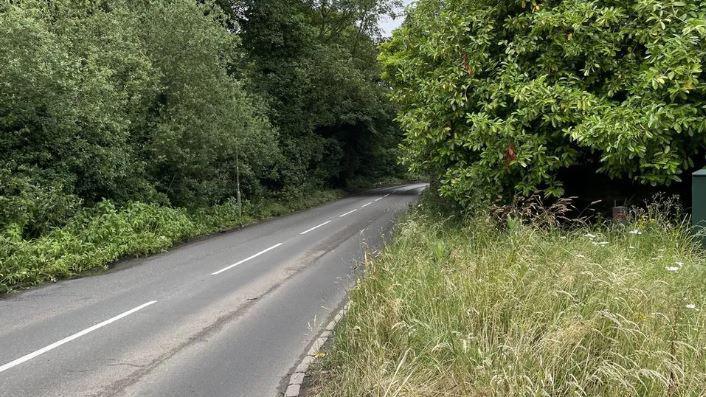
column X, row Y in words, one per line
column 499, row 96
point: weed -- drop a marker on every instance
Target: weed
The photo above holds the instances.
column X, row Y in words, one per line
column 474, row 309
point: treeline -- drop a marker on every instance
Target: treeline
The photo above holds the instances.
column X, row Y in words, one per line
column 163, row 101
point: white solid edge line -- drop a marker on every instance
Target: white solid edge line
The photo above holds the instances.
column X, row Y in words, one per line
column 365, row 205
column 316, row 227
column 386, row 195
column 246, row 259
column 72, row 337
column 348, row 213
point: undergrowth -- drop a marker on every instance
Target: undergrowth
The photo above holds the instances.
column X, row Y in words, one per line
column 103, row 234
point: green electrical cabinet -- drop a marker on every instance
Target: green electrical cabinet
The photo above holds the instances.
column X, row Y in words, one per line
column 698, row 203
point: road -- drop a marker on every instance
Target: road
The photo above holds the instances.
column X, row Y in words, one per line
column 229, row 315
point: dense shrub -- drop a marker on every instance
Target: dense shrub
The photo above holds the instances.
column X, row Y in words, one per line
column 31, row 205
column 497, row 97
column 98, row 236
column 74, row 80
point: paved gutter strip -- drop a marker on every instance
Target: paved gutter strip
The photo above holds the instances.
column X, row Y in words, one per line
column 297, row 378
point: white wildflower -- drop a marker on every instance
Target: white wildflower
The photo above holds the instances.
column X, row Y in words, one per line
column 635, row 232
column 672, row 268
column 580, row 256
column 691, row 306
column 680, row 264
column 589, row 235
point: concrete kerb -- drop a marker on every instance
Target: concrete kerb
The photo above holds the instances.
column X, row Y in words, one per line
column 297, row 378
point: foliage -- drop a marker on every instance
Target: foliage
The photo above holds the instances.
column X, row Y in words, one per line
column 126, row 126
column 131, row 101
column 73, row 80
column 204, row 116
column 461, row 309
column 315, row 64
column 157, row 101
column 499, row 97
column 98, row 236
column 31, row 206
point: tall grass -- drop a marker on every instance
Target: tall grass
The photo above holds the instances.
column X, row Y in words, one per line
column 101, row 235
column 474, row 309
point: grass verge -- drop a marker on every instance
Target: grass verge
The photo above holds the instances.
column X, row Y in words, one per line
column 103, row 234
column 473, row 309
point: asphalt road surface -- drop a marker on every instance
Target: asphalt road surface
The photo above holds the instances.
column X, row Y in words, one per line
column 229, row 315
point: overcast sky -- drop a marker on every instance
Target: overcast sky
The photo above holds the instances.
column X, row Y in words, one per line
column 387, row 25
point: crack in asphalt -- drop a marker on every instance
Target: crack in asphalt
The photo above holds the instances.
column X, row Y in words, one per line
column 119, row 386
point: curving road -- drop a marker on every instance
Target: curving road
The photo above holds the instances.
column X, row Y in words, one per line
column 229, row 315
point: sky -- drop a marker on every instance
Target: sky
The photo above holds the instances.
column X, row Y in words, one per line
column 387, row 24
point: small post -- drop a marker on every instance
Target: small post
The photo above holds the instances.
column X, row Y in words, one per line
column 698, row 202
column 237, row 184
column 620, row 214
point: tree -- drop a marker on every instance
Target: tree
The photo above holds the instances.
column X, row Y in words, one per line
column 122, row 100
column 179, row 102
column 201, row 114
column 317, row 69
column 73, row 81
column 498, row 97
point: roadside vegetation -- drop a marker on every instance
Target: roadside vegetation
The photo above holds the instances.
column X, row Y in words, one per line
column 126, row 126
column 482, row 296
column 526, row 307
column 503, row 98
column 103, row 234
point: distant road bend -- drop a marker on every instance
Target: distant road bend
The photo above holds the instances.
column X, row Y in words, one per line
column 228, row 315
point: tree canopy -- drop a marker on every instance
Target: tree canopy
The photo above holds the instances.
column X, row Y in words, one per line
column 315, row 64
column 500, row 97
column 162, row 101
